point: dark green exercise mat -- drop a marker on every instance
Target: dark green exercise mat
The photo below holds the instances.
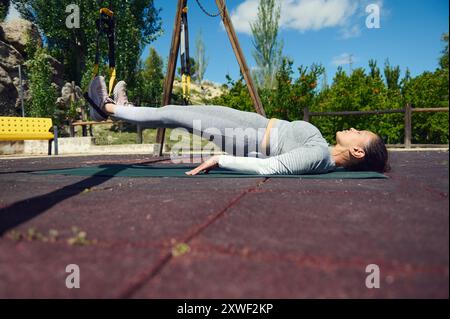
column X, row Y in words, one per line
column 178, row 170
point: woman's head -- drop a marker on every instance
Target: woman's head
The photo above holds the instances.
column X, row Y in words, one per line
column 367, row 151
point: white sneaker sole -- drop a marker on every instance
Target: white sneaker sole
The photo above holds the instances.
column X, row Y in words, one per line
column 93, row 114
column 115, row 93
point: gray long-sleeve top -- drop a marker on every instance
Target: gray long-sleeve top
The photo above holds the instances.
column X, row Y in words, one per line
column 297, row 148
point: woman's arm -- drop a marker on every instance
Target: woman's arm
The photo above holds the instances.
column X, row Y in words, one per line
column 252, row 165
column 247, row 165
column 302, row 160
column 206, row 166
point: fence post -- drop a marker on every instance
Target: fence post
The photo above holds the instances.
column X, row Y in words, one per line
column 55, row 141
column 139, row 134
column 408, row 125
column 306, row 116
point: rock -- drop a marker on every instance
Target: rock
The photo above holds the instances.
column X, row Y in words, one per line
column 57, row 71
column 8, row 94
column 10, row 58
column 18, row 32
column 71, row 93
column 14, row 35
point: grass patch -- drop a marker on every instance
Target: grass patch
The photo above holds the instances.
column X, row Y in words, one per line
column 124, row 133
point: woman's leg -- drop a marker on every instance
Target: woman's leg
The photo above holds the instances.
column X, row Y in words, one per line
column 234, row 131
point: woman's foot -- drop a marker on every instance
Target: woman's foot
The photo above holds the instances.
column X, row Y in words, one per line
column 120, row 94
column 98, row 95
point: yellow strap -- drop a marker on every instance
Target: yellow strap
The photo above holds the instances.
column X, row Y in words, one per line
column 106, row 11
column 183, row 84
column 188, row 87
column 95, row 72
column 112, row 80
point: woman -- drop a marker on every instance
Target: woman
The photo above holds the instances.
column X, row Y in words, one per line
column 291, row 147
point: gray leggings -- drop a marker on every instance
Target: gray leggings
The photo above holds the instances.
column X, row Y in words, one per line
column 235, row 132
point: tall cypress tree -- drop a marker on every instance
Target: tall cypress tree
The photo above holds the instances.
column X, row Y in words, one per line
column 200, row 57
column 267, row 49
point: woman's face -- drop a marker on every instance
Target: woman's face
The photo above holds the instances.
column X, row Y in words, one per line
column 354, row 138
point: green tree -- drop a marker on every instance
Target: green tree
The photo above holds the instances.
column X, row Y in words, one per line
column 392, row 76
column 278, row 102
column 43, row 92
column 236, row 97
column 200, row 57
column 429, row 89
column 374, row 70
column 443, row 61
column 359, row 90
column 305, row 88
column 267, row 49
column 354, row 92
column 404, row 82
column 138, row 24
column 152, row 80
column 4, row 8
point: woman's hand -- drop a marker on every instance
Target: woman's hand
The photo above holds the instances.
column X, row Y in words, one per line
column 206, row 166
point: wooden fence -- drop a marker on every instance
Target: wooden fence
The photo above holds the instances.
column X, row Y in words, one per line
column 407, row 111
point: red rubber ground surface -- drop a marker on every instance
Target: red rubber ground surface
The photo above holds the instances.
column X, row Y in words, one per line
column 245, row 238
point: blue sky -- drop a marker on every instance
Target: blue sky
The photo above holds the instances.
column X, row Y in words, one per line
column 321, row 31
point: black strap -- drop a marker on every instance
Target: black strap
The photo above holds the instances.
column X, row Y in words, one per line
column 106, row 25
column 96, row 108
column 185, row 59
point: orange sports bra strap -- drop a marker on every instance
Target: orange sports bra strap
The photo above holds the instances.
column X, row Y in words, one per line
column 265, row 144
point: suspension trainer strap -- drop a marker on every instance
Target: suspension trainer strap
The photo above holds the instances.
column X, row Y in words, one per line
column 112, row 51
column 185, row 58
column 106, row 25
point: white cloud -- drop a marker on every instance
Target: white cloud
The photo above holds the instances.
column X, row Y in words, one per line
column 344, row 59
column 244, row 14
column 306, row 15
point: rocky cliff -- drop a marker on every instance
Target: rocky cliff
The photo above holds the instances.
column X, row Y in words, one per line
column 14, row 35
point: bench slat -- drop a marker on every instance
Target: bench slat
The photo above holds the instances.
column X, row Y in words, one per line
column 27, row 136
column 90, row 123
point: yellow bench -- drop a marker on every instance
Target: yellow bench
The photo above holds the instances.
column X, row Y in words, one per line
column 29, row 128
